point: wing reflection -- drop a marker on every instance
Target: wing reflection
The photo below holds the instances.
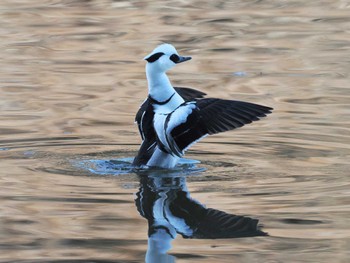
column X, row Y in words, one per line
column 166, row 204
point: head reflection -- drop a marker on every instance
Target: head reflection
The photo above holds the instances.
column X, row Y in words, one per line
column 166, row 204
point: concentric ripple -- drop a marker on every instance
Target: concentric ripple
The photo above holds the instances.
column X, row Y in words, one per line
column 121, row 166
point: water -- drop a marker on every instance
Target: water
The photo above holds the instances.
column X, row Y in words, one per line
column 72, row 78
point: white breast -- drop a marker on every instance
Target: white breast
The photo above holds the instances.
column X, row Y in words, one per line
column 175, row 102
column 163, row 127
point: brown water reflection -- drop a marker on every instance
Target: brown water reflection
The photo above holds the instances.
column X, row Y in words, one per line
column 72, row 78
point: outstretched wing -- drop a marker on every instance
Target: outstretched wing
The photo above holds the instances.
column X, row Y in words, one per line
column 144, row 119
column 189, row 94
column 219, row 224
column 224, row 115
column 211, row 116
column 208, row 222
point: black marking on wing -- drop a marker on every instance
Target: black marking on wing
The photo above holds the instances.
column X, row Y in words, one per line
column 144, row 119
column 213, row 116
column 186, row 133
column 145, row 152
column 189, row 94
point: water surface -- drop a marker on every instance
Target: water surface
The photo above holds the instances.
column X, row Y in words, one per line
column 72, row 78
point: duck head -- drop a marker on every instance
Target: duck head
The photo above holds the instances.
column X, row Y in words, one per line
column 164, row 57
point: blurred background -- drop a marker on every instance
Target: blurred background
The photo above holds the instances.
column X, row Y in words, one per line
column 72, row 78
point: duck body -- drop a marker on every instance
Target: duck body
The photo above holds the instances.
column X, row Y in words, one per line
column 171, row 119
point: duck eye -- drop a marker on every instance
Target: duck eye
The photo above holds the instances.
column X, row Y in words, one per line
column 174, row 58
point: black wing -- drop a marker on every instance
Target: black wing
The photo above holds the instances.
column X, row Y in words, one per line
column 212, row 223
column 213, row 116
column 144, row 119
column 189, row 94
column 219, row 224
column 224, row 115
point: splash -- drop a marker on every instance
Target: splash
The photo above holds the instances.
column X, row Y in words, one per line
column 124, row 166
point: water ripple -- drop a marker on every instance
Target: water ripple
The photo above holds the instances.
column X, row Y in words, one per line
column 124, row 166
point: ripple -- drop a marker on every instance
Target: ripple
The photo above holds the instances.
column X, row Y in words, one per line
column 320, row 100
column 124, row 166
column 41, row 141
column 301, row 221
column 75, row 67
column 5, row 131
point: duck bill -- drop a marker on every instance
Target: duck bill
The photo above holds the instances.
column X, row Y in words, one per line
column 182, row 59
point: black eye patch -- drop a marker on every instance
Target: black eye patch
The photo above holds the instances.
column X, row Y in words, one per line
column 154, row 57
column 174, row 58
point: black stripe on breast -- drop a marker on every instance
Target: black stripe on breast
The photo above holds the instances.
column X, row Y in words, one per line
column 154, row 101
column 186, row 133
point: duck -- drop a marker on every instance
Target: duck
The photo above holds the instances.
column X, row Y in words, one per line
column 172, row 119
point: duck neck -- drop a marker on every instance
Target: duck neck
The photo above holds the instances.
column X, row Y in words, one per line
column 159, row 86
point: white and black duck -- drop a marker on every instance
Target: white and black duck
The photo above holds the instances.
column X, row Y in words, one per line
column 171, row 119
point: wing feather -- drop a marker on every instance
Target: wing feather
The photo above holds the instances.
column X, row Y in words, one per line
column 213, row 116
column 189, row 94
column 223, row 115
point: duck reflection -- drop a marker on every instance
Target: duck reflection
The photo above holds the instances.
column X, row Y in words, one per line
column 166, row 204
